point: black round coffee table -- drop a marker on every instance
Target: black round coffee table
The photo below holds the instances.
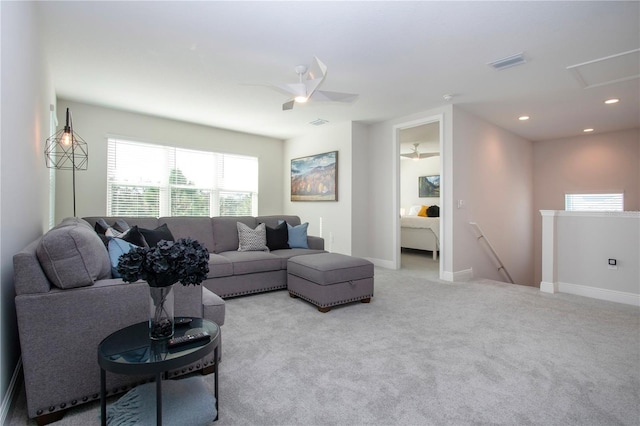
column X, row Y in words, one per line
column 130, row 351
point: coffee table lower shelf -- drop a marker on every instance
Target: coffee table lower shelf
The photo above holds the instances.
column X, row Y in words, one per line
column 130, row 351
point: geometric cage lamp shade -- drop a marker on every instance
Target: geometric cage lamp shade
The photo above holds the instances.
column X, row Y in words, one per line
column 66, row 150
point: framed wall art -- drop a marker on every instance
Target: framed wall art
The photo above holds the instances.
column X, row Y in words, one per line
column 429, row 186
column 315, row 178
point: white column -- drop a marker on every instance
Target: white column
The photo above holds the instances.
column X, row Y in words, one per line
column 549, row 283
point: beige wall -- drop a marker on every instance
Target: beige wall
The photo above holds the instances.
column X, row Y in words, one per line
column 95, row 124
column 608, row 162
column 492, row 176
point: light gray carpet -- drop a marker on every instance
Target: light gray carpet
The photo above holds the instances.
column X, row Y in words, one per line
column 425, row 352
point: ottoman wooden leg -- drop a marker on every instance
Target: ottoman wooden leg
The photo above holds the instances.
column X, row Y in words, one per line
column 324, row 310
column 293, row 296
column 366, row 300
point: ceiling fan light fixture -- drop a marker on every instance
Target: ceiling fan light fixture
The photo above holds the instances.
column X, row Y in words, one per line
column 300, row 99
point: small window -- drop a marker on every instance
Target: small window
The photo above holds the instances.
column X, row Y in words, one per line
column 594, row 202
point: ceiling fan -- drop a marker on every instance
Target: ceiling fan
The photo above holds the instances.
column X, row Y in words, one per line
column 306, row 89
column 416, row 155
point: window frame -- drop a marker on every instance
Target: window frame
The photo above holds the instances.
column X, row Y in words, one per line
column 164, row 176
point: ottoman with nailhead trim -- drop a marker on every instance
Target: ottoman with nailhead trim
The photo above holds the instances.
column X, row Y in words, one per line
column 330, row 279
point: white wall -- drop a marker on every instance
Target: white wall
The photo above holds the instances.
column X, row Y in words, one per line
column 94, row 124
column 360, row 207
column 26, row 96
column 410, row 170
column 492, row 175
column 592, row 163
column 382, row 220
column 334, row 215
column 576, row 257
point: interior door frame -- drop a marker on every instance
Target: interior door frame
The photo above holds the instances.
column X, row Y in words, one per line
column 439, row 118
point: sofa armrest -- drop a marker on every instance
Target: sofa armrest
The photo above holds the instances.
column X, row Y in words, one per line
column 315, row 243
column 60, row 331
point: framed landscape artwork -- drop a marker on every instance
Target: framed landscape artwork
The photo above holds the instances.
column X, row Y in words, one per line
column 315, row 178
column 429, row 186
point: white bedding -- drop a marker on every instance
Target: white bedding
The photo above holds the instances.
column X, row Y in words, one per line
column 432, row 223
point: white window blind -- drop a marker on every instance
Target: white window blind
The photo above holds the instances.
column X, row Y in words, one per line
column 155, row 180
column 594, row 202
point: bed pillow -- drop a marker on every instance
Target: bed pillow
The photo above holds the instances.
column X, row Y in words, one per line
column 423, row 211
column 252, row 239
column 433, row 211
column 413, row 210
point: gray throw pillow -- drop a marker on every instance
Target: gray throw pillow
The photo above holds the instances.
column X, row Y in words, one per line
column 252, row 239
column 73, row 256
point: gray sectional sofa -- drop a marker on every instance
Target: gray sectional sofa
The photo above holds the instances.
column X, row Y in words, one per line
column 67, row 301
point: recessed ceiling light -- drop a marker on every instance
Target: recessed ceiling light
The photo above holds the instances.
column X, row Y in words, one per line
column 524, row 118
column 612, row 101
column 588, row 130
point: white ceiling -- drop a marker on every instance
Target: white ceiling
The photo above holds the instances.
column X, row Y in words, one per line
column 193, row 61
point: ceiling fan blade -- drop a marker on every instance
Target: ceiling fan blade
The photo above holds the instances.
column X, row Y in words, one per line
column 295, row 89
column 431, row 154
column 323, row 95
column 288, row 105
column 317, row 70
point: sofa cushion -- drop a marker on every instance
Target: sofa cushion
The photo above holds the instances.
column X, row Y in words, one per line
column 117, row 247
column 73, row 256
column 248, row 262
column 134, row 236
column 196, row 228
column 252, row 239
column 298, row 235
column 219, row 266
column 225, row 231
column 154, row 236
column 278, row 237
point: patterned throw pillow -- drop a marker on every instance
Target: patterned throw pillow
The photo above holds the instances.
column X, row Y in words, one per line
column 252, row 239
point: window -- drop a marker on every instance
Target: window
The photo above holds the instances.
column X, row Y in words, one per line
column 594, row 202
column 156, row 180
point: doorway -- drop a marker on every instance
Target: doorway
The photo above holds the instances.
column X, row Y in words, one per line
column 419, row 166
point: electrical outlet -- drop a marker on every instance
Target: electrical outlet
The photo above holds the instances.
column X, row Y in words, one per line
column 613, row 264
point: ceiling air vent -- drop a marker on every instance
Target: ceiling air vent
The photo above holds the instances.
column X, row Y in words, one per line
column 508, row 62
column 318, row 122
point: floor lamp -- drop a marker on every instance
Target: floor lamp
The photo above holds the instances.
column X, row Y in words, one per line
column 66, row 150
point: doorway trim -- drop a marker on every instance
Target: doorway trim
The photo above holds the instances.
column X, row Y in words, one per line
column 439, row 118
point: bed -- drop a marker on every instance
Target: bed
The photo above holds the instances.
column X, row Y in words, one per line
column 420, row 233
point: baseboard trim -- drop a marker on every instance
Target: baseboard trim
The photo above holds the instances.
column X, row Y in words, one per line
column 464, row 275
column 11, row 392
column 388, row 264
column 548, row 287
column 599, row 293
